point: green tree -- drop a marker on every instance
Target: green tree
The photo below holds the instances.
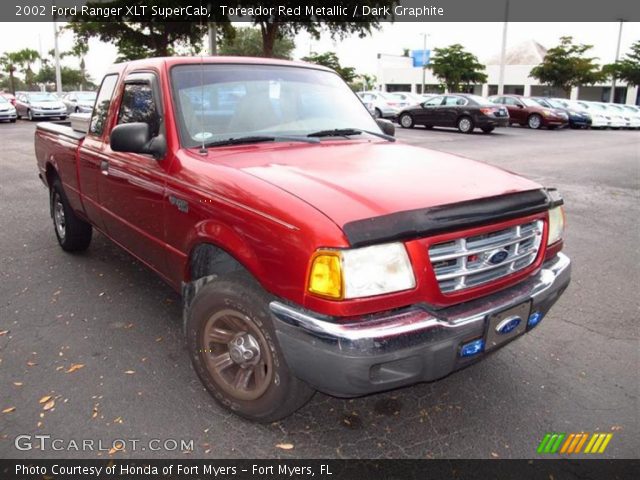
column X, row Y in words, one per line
column 455, row 67
column 146, row 35
column 9, row 62
column 79, row 50
column 247, row 42
column 627, row 69
column 363, row 81
column 330, row 60
column 276, row 26
column 72, row 78
column 565, row 66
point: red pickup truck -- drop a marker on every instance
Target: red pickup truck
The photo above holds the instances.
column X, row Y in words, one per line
column 312, row 250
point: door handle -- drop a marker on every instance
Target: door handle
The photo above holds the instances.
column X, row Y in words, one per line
column 104, row 167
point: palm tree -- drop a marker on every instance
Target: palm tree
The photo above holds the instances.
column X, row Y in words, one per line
column 8, row 62
column 25, row 58
column 79, row 50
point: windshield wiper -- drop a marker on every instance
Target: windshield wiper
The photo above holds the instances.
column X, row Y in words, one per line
column 345, row 132
column 259, row 139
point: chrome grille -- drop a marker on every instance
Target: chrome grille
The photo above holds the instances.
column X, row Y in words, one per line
column 472, row 261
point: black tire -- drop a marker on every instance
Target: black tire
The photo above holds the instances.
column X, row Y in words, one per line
column 465, row 124
column 406, row 121
column 488, row 129
column 237, row 298
column 13, row 120
column 534, row 121
column 73, row 234
column 377, row 113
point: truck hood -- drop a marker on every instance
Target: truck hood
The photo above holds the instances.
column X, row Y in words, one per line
column 354, row 180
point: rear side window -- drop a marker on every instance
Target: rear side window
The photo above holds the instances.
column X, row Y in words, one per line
column 138, row 105
column 99, row 117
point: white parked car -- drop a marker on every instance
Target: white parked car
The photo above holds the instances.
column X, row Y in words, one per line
column 408, row 97
column 620, row 114
column 600, row 118
column 634, row 114
column 384, row 105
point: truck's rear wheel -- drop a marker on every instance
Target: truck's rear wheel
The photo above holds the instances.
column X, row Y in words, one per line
column 73, row 234
column 236, row 354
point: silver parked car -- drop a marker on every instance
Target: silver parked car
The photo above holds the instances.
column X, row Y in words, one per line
column 34, row 105
column 7, row 111
column 79, row 102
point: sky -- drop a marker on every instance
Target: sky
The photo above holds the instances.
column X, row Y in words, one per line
column 482, row 39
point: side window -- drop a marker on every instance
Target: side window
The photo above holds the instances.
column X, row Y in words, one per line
column 434, row 102
column 453, row 101
column 138, row 105
column 103, row 101
column 510, row 101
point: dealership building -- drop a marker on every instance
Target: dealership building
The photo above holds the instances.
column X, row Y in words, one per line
column 404, row 73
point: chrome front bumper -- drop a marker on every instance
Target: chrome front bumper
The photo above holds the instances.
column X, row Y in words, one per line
column 415, row 344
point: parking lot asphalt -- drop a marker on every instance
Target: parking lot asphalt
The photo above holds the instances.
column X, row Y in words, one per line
column 102, row 337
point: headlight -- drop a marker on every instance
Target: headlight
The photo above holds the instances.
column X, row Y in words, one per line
column 361, row 272
column 556, row 225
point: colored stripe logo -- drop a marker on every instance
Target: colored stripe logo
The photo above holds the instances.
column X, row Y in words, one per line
column 574, row 443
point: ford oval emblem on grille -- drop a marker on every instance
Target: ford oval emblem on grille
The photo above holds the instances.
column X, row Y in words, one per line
column 508, row 325
column 497, row 256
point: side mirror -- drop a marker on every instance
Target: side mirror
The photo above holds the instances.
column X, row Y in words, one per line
column 387, row 127
column 136, row 138
column 520, row 105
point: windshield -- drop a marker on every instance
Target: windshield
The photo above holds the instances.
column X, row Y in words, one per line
column 220, row 102
column 558, row 103
column 3, row 100
column 86, row 96
column 42, row 97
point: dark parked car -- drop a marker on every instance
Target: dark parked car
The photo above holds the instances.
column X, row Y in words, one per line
column 39, row 105
column 525, row 111
column 79, row 102
column 463, row 111
column 578, row 117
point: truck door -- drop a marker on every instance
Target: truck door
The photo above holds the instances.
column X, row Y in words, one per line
column 132, row 185
column 91, row 154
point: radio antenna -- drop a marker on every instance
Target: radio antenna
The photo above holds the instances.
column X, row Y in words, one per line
column 203, row 150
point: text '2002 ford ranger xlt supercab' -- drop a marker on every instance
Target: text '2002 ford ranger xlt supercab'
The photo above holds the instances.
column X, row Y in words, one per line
column 313, row 252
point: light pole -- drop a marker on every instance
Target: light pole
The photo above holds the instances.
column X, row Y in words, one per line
column 503, row 52
column 57, row 57
column 612, row 96
column 424, row 60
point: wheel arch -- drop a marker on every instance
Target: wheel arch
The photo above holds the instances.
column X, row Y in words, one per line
column 215, row 249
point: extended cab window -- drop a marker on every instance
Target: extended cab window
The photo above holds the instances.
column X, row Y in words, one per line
column 138, row 105
column 103, row 101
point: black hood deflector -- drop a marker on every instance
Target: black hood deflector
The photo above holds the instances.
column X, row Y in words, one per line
column 422, row 222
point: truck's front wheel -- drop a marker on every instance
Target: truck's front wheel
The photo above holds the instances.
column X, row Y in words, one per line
column 73, row 234
column 235, row 351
